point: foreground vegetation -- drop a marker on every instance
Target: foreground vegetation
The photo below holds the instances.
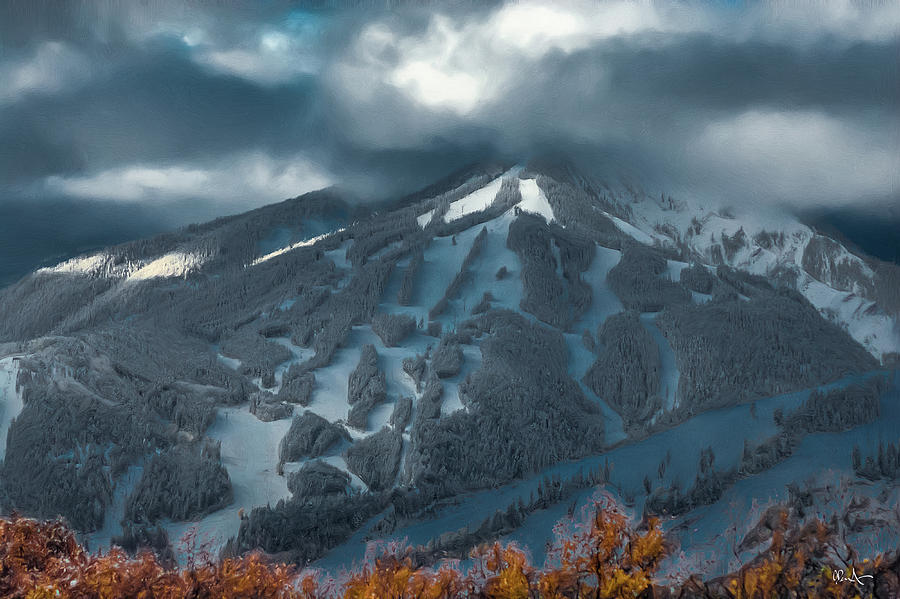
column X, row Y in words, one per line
column 604, row 555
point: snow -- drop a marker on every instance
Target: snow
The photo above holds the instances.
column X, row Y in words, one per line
column 673, row 269
column 534, row 200
column 11, row 403
column 174, row 264
column 474, row 202
column 340, row 463
column 250, row 454
column 724, row 430
column 471, row 363
column 424, row 219
column 115, row 513
column 861, row 318
column 339, row 255
column 669, row 375
column 329, row 398
column 819, row 455
column 83, row 265
column 481, row 276
column 604, row 304
column 630, row 229
column 232, row 363
column 702, row 228
column 300, row 244
column 298, row 354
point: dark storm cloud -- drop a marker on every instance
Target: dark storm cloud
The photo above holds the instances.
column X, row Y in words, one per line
column 179, row 101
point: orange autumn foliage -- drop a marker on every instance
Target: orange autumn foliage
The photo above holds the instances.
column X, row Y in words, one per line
column 601, row 557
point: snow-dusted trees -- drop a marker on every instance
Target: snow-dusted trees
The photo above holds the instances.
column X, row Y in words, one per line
column 303, row 528
column 707, row 488
column 835, row 410
column 376, row 458
column 484, row 304
column 552, row 260
column 697, row 277
column 827, row 261
column 575, row 206
column 183, row 483
column 188, row 411
column 317, row 478
column 840, row 409
column 402, row 413
column 521, row 392
column 415, row 368
column 885, row 463
column 366, row 387
column 405, row 295
column 393, row 328
column 734, row 350
column 297, row 386
column 265, row 406
column 258, row 355
column 460, row 278
column 626, row 373
column 310, row 436
column 639, row 282
column 448, row 358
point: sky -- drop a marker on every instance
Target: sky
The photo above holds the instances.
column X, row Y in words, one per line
column 141, row 116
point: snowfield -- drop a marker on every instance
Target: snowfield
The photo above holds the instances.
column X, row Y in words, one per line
column 175, row 264
column 874, row 329
column 534, row 200
column 685, row 232
column 10, row 398
column 474, row 202
column 300, row 244
column 250, row 454
column 83, row 265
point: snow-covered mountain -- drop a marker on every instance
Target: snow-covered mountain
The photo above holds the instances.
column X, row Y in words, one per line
column 455, row 366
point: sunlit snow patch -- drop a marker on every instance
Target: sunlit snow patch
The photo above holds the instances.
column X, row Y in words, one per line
column 174, row 264
column 294, row 246
column 474, row 202
column 534, row 200
column 85, row 265
column 424, row 219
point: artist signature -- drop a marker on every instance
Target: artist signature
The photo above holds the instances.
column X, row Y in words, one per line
column 840, row 576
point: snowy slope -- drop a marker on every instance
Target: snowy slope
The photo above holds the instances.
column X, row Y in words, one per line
column 250, row 454
column 742, row 237
column 10, row 398
column 739, row 238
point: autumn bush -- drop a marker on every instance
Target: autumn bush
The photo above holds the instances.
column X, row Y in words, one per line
column 602, row 555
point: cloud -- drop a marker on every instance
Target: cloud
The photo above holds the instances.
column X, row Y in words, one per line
column 672, row 88
column 250, row 178
column 776, row 101
column 799, row 156
column 52, row 66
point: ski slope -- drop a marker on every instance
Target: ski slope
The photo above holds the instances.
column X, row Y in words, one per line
column 11, row 403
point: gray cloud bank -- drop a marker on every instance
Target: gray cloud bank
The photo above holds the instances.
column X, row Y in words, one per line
column 229, row 106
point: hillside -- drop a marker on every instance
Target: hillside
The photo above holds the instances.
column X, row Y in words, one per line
column 457, row 366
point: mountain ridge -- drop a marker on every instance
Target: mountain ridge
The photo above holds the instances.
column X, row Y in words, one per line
column 491, row 302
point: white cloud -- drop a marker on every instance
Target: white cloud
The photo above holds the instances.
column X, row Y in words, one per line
column 462, row 63
column 798, row 155
column 248, row 179
column 275, row 58
column 52, row 67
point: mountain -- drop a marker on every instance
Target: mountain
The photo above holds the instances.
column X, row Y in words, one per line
column 465, row 363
